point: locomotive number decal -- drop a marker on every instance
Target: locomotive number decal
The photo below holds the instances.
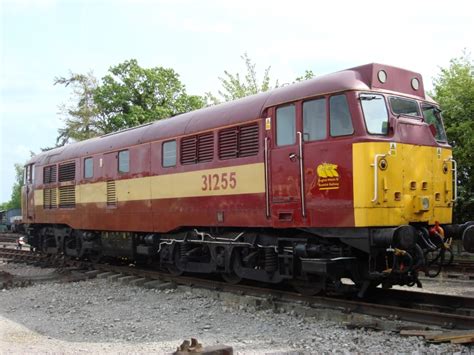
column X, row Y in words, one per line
column 221, row 181
column 328, row 177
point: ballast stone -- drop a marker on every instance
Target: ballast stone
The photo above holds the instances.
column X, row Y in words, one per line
column 159, row 285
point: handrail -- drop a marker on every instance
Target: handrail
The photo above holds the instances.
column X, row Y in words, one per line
column 454, row 169
column 267, row 193
column 302, row 190
column 376, row 176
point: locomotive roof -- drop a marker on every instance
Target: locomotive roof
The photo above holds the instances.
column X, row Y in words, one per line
column 239, row 111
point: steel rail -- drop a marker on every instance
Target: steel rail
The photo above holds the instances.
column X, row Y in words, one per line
column 426, row 308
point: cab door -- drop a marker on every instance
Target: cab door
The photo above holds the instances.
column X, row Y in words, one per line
column 284, row 161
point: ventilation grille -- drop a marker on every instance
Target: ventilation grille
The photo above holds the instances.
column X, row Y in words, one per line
column 228, row 143
column 67, row 172
column 111, row 194
column 248, row 140
column 238, row 142
column 50, row 199
column 188, row 150
column 49, row 174
column 205, row 147
column 197, row 149
column 67, row 196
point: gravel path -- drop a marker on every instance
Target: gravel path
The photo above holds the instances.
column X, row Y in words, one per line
column 100, row 316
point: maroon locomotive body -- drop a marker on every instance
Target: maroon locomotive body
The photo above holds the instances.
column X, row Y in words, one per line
column 345, row 176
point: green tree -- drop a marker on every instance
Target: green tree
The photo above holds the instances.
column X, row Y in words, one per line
column 235, row 87
column 128, row 96
column 15, row 199
column 81, row 117
column 131, row 95
column 308, row 74
column 454, row 91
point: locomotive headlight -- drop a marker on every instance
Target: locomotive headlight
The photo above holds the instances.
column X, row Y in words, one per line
column 383, row 164
column 425, row 203
column 422, row 204
column 445, row 168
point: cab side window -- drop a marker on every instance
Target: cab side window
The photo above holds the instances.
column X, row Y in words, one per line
column 314, row 120
column 339, row 116
column 286, row 125
column 124, row 161
column 169, row 154
column 88, row 168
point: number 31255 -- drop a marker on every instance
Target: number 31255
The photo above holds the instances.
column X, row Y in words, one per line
column 222, row 181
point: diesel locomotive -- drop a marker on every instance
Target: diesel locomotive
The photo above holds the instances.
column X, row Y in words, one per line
column 342, row 181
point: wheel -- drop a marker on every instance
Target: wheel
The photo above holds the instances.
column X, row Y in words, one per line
column 232, row 277
column 95, row 255
column 174, row 268
column 310, row 287
column 72, row 246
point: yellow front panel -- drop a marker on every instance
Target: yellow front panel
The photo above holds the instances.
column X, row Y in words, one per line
column 411, row 188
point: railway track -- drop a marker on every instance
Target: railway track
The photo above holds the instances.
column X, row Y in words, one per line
column 9, row 237
column 460, row 269
column 453, row 312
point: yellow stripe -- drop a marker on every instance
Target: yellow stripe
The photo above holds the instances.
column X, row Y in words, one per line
column 38, row 196
column 234, row 180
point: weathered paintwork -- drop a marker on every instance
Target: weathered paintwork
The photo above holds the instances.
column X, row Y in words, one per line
column 337, row 171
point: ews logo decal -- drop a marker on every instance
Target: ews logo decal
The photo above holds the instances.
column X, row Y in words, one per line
column 327, row 177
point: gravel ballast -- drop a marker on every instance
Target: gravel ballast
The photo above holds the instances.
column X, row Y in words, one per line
column 102, row 316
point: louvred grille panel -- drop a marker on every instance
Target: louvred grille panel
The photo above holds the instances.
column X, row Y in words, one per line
column 188, row 150
column 49, row 174
column 205, row 147
column 248, row 142
column 50, row 199
column 67, row 196
column 197, row 149
column 111, row 194
column 228, row 143
column 238, row 142
column 67, row 172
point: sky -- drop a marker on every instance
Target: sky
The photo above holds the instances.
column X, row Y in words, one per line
column 44, row 39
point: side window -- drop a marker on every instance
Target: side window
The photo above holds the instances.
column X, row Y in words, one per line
column 169, row 154
column 314, row 120
column 29, row 174
column 88, row 168
column 340, row 118
column 124, row 161
column 286, row 125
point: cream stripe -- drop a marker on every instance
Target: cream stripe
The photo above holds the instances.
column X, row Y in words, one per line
column 234, row 180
